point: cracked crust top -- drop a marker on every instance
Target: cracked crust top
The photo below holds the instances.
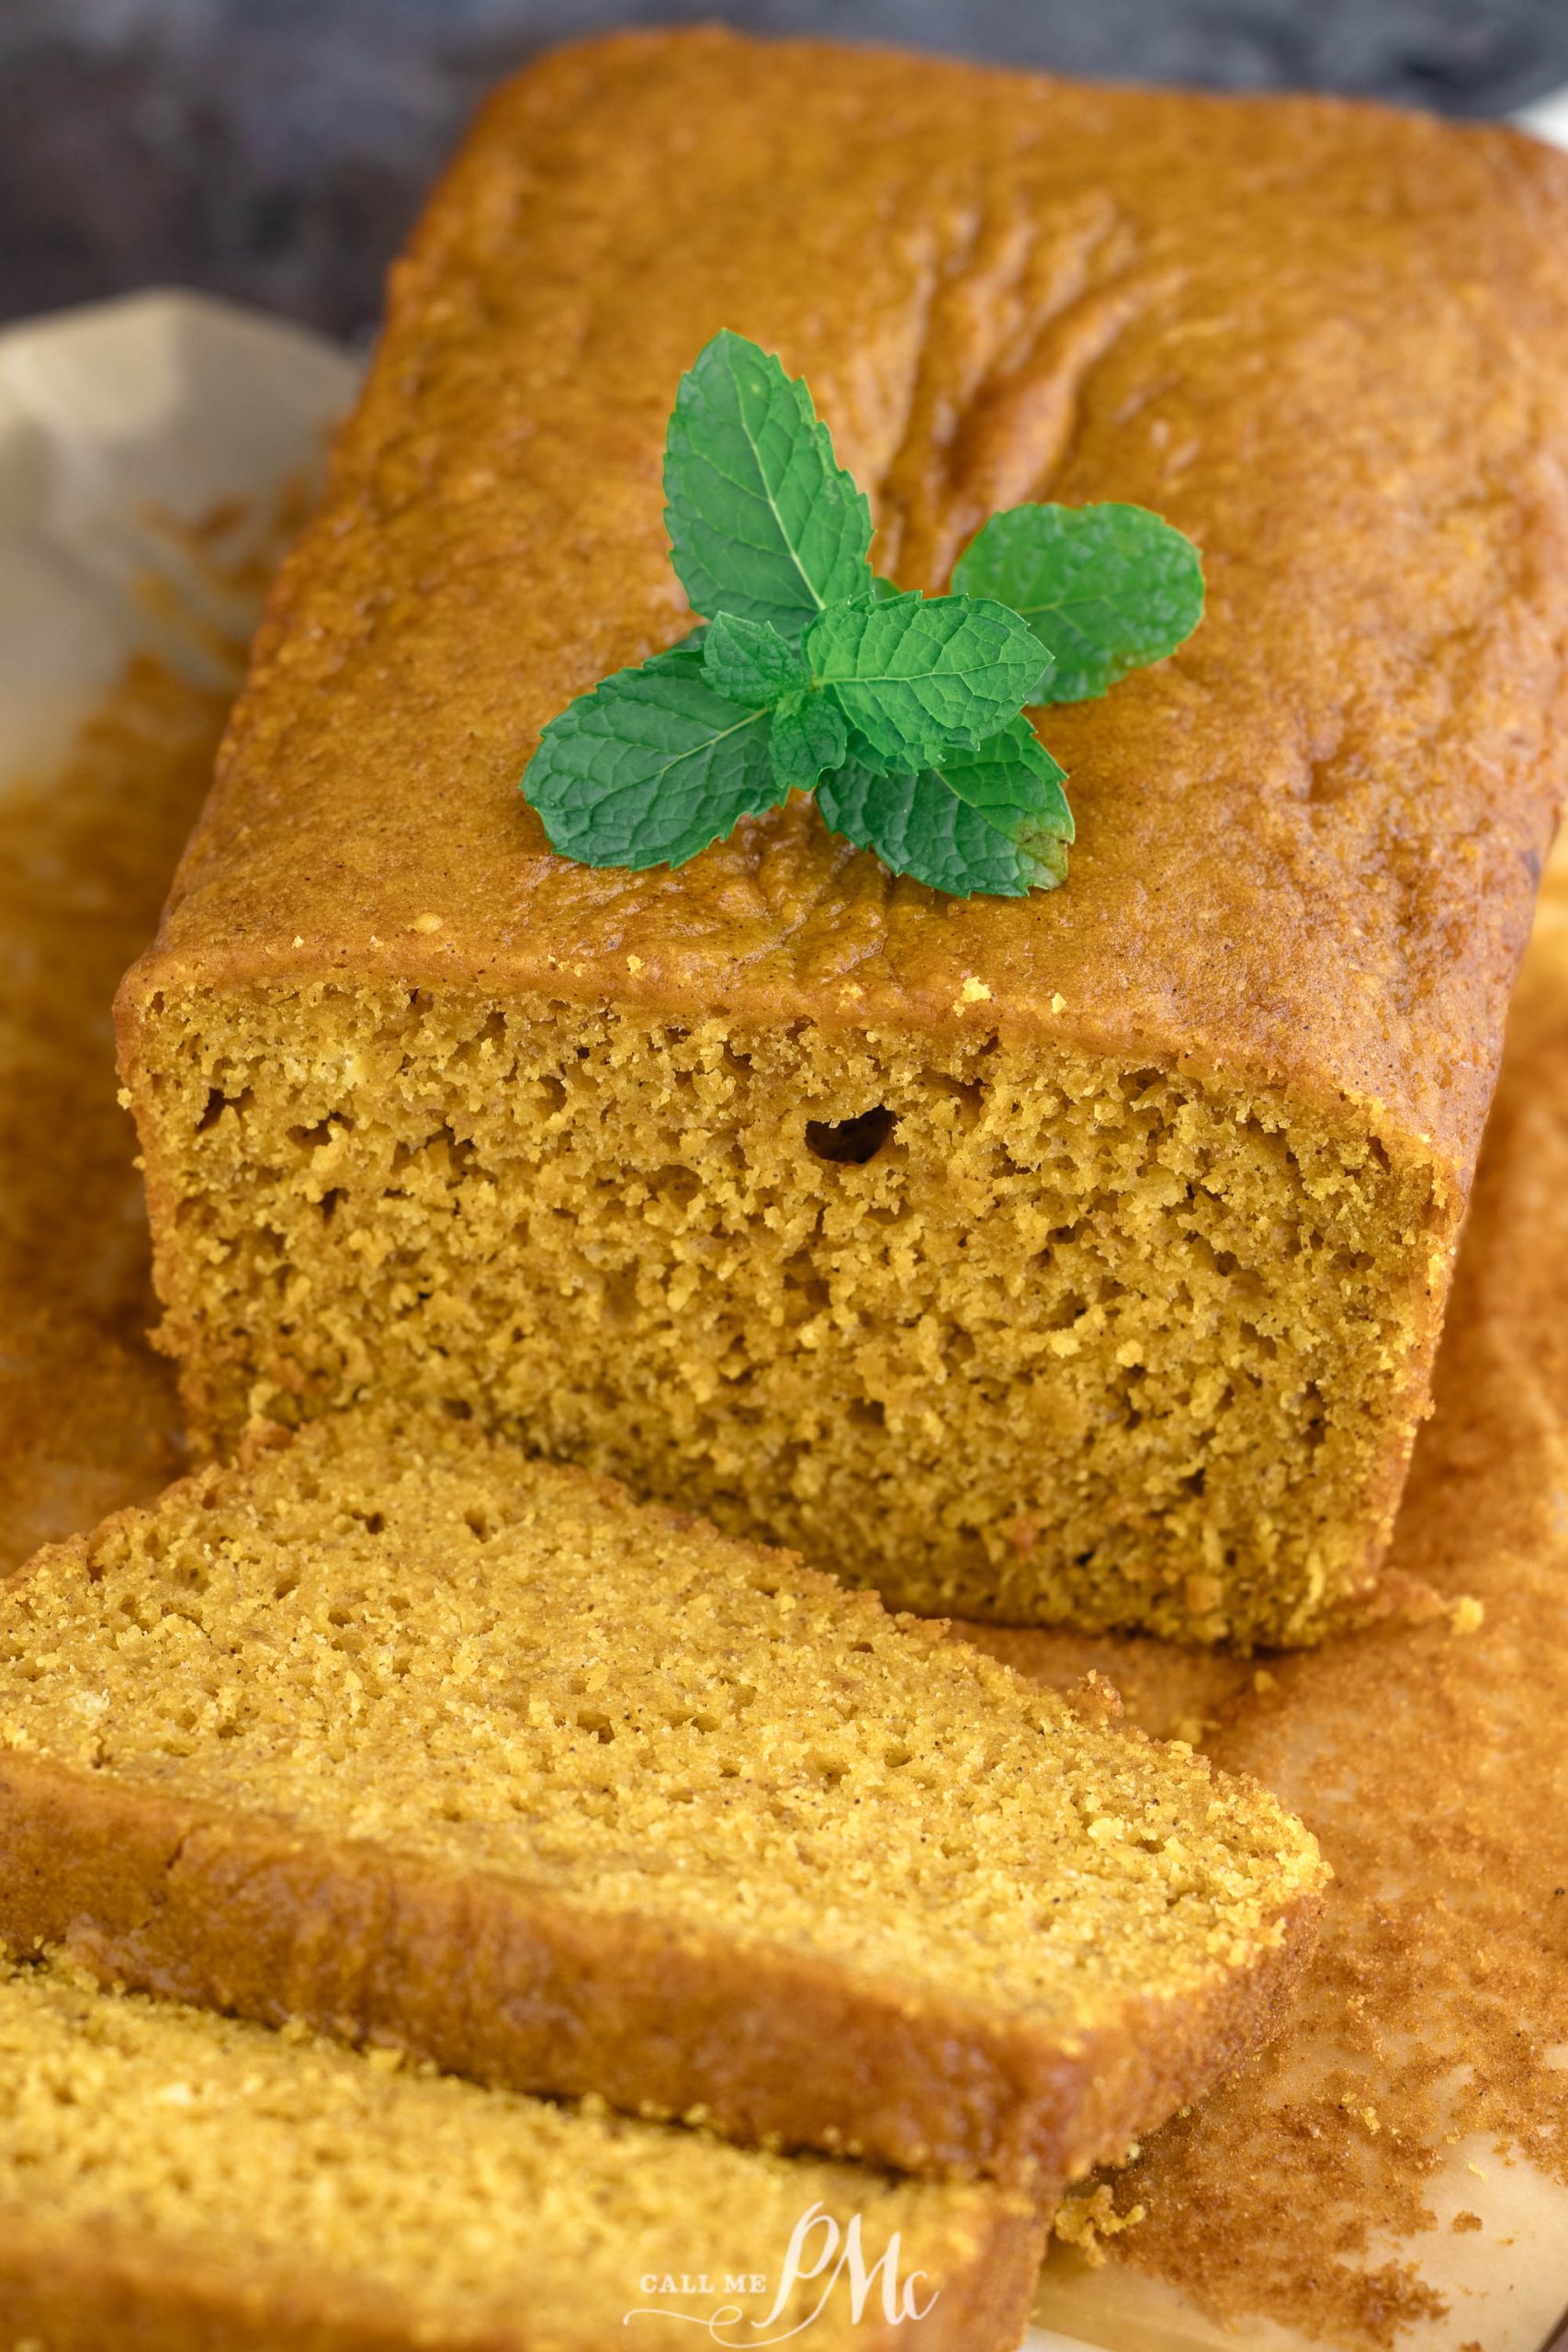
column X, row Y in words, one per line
column 1328, row 341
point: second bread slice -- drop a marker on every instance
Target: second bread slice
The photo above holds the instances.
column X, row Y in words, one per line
column 394, row 1731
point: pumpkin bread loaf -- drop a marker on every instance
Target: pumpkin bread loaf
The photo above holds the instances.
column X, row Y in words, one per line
column 1079, row 1257
column 174, row 2180
column 395, row 1731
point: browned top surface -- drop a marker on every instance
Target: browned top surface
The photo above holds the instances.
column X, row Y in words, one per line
column 1329, row 342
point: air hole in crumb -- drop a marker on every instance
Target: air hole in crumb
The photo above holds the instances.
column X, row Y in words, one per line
column 218, row 1102
column 851, row 1142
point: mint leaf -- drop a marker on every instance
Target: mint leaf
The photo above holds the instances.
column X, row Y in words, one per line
column 917, row 675
column 1013, row 781
column 808, row 735
column 994, row 819
column 1104, row 588
column 915, row 826
column 762, row 522
column 650, row 768
column 685, row 657
column 748, row 661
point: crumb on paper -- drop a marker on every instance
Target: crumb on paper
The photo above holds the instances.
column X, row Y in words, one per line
column 1084, row 2223
column 1465, row 2220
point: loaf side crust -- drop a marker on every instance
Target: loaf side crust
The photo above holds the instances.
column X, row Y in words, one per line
column 68, row 2289
column 515, row 1987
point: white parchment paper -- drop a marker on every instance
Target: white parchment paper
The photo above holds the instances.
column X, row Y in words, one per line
column 111, row 417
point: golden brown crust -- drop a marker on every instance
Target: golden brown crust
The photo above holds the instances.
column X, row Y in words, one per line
column 1307, row 844
column 63, row 2290
column 512, row 1986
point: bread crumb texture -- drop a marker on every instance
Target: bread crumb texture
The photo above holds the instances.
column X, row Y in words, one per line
column 204, row 2158
column 1007, row 1332
column 404, row 1632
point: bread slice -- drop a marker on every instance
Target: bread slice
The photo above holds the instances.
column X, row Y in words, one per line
column 174, row 2180
column 395, row 1731
column 1070, row 1258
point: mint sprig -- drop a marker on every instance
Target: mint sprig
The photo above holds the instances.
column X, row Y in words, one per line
column 903, row 713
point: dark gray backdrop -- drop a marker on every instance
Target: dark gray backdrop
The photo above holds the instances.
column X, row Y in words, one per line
column 275, row 150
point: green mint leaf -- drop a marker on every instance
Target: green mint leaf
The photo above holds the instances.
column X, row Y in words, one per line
column 809, row 736
column 915, row 826
column 994, row 819
column 685, row 657
column 1104, row 588
column 1013, row 781
column 748, row 661
column 917, row 675
column 762, row 521
column 650, row 768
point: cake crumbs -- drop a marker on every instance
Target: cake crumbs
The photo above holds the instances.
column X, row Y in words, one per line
column 1085, row 2222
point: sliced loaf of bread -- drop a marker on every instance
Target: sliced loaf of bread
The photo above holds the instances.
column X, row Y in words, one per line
column 395, row 1731
column 174, row 2180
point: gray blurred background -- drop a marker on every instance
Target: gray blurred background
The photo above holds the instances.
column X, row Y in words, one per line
column 276, row 150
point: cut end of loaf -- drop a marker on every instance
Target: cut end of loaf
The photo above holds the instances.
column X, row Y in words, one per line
column 1008, row 1332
